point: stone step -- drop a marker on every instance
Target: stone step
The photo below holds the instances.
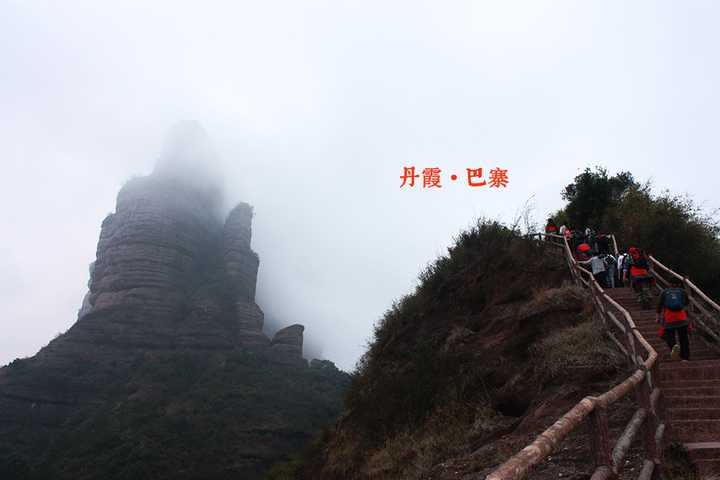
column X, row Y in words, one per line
column 696, row 430
column 701, row 354
column 708, row 364
column 708, row 468
column 661, row 346
column 697, row 343
column 645, row 322
column 698, row 348
column 690, row 402
column 703, row 450
column 617, row 293
column 694, row 356
column 705, row 391
column 692, row 370
column 654, row 331
column 691, row 389
column 695, row 349
column 647, row 326
column 690, row 384
column 667, row 375
column 653, row 326
column 708, row 413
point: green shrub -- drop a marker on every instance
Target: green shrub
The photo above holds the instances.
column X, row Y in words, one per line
column 671, row 227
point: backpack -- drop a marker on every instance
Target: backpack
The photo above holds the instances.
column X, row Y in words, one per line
column 638, row 262
column 674, row 299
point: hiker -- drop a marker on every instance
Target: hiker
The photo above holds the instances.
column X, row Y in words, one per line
column 636, row 268
column 577, row 238
column 583, row 251
column 622, row 258
column 590, row 238
column 603, row 243
column 611, row 264
column 673, row 319
column 598, row 267
column 551, row 228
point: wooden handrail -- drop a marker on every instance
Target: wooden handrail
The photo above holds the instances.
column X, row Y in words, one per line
column 687, row 282
column 608, row 462
column 615, row 247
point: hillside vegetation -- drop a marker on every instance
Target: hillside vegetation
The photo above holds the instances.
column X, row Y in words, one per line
column 179, row 415
column 673, row 228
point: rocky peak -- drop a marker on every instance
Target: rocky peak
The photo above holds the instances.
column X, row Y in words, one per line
column 288, row 341
column 169, row 271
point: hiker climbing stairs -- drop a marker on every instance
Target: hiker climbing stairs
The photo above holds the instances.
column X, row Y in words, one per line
column 691, row 390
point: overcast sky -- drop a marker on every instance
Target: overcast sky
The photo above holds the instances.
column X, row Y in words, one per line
column 315, row 108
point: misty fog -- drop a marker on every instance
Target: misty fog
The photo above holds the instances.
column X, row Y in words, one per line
column 313, row 109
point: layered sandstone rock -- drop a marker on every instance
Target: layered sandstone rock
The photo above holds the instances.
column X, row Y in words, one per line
column 288, row 342
column 169, row 272
column 241, row 267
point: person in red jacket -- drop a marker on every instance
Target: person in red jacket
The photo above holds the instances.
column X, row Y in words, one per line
column 551, row 227
column 673, row 319
column 635, row 266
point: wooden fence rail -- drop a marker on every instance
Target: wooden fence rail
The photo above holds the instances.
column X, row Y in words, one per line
column 592, row 411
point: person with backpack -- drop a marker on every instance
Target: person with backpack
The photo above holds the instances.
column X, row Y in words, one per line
column 673, row 319
column 599, row 269
column 611, row 264
column 551, row 229
column 603, row 243
column 637, row 271
column 622, row 258
column 635, row 265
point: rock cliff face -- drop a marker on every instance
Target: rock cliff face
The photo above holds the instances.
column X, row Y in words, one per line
column 172, row 280
column 170, row 273
column 288, row 342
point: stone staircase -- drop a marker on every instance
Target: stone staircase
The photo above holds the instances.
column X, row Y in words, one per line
column 691, row 390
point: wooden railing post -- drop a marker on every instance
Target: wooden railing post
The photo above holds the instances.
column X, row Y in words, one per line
column 658, row 413
column 650, row 424
column 629, row 342
column 600, row 437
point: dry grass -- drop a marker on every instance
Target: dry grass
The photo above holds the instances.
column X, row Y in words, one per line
column 412, row 455
column 581, row 348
